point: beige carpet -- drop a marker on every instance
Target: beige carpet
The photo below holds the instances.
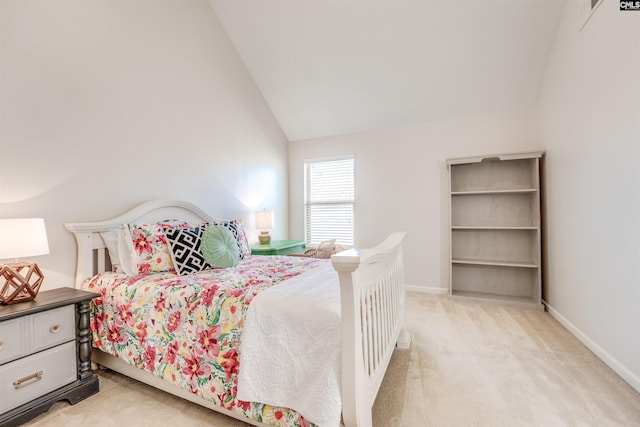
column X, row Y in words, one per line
column 468, row 365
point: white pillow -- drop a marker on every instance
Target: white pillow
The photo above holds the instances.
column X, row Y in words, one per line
column 121, row 250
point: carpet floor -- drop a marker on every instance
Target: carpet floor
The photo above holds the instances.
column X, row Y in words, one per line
column 468, row 365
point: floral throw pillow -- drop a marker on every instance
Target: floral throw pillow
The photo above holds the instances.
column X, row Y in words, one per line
column 243, row 242
column 150, row 246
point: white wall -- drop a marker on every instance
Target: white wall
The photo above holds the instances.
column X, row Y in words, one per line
column 402, row 182
column 589, row 122
column 106, row 104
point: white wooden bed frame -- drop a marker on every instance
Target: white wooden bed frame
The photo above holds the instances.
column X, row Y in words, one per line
column 372, row 301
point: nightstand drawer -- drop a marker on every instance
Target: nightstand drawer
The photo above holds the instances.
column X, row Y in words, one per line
column 53, row 327
column 28, row 378
column 11, row 339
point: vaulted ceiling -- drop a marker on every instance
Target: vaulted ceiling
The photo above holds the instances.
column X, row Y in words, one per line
column 336, row 67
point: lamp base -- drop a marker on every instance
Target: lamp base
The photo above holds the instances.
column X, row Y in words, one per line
column 18, row 286
column 264, row 237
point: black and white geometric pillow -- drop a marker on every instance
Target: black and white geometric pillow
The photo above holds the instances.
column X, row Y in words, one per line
column 184, row 247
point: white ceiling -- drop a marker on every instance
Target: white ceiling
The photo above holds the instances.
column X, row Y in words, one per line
column 344, row 66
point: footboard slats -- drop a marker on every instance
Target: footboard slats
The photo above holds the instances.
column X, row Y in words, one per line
column 366, row 332
column 380, row 320
column 372, row 300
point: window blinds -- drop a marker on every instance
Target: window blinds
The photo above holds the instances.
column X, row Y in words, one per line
column 329, row 198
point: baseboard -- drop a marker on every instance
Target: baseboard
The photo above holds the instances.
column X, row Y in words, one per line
column 632, row 379
column 426, row 289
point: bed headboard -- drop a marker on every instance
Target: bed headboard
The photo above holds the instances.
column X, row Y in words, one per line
column 93, row 258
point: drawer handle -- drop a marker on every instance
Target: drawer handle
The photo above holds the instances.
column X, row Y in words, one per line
column 1, row 345
column 28, row 380
column 55, row 328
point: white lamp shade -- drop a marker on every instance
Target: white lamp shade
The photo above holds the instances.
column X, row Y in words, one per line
column 23, row 237
column 264, row 220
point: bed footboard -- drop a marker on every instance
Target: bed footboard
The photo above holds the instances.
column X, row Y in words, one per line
column 372, row 292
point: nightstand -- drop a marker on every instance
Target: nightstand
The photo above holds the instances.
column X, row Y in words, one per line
column 278, row 247
column 45, row 354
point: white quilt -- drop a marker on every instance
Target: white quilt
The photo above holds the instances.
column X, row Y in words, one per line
column 291, row 347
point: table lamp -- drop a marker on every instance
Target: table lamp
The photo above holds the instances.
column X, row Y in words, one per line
column 264, row 221
column 24, row 237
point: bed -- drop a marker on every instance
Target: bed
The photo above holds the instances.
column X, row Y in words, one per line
column 286, row 341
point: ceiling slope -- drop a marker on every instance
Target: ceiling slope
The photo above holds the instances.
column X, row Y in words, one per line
column 336, row 67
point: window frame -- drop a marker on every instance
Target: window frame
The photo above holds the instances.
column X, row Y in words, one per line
column 338, row 201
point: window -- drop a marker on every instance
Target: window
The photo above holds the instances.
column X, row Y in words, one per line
column 329, row 199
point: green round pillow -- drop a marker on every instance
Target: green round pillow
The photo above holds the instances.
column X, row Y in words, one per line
column 219, row 248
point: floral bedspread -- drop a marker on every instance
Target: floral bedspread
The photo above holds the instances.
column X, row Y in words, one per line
column 186, row 329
